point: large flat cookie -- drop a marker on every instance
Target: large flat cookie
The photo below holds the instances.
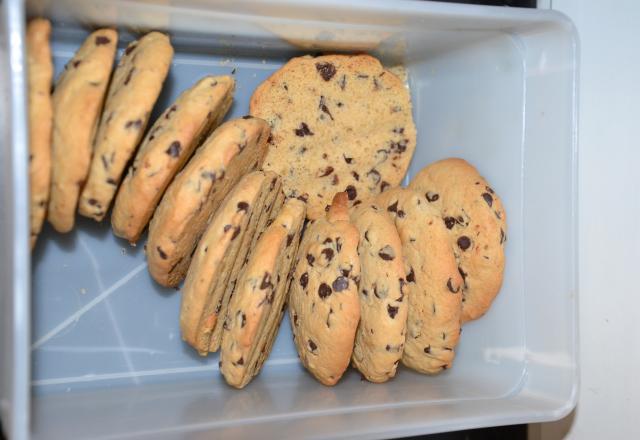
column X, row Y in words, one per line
column 433, row 281
column 39, row 75
column 259, row 300
column 324, row 309
column 477, row 221
column 166, row 148
column 226, row 242
column 77, row 102
column 383, row 294
column 339, row 123
column 234, row 149
column 134, row 89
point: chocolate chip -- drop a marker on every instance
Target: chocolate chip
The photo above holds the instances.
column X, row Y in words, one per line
column 76, row 63
column 392, row 311
column 310, row 259
column 247, row 117
column 312, row 345
column 464, row 242
column 235, row 233
column 449, row 222
column 174, row 149
column 303, row 197
column 463, row 274
column 431, row 196
column 339, row 284
column 328, row 253
column 411, row 276
column 326, row 172
column 324, row 290
column 450, row 286
column 400, row 146
column 295, row 319
column 327, row 240
column 387, row 253
column 488, row 188
column 289, row 239
column 338, row 244
column 393, row 207
column 130, row 48
column 345, row 272
column 172, row 109
column 384, row 185
column 244, row 320
column 427, row 349
column 503, row 237
column 128, row 78
column 324, row 108
column 366, row 236
column 100, row 40
column 303, row 130
column 351, row 192
column 400, row 213
column 398, row 130
column 161, row 253
column 266, row 281
column 347, row 159
column 240, row 361
column 374, row 175
column 387, row 347
column 326, row 70
column 342, row 83
column 92, row 202
column 134, row 124
column 226, row 228
column 110, row 181
column 355, row 175
column 243, row 206
column 487, row 198
column 304, row 280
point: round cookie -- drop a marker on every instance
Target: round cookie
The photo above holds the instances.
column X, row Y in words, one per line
column 39, row 75
column 167, row 146
column 77, row 103
column 258, row 303
column 476, row 219
column 324, row 309
column 234, row 149
column 136, row 84
column 339, row 123
column 433, row 281
column 383, row 301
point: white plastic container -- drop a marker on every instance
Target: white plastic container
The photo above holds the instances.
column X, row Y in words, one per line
column 496, row 86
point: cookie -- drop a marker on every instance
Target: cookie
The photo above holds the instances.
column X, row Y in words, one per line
column 39, row 76
column 228, row 239
column 77, row 102
column 383, row 294
column 258, row 303
column 134, row 89
column 233, row 149
column 166, row 148
column 323, row 304
column 433, row 282
column 339, row 123
column 477, row 223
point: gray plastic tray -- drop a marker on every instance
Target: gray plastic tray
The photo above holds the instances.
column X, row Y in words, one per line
column 496, row 86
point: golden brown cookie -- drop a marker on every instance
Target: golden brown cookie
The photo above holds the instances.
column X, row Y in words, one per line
column 166, row 148
column 77, row 102
column 477, row 222
column 234, row 149
column 134, row 89
column 39, row 75
column 339, row 123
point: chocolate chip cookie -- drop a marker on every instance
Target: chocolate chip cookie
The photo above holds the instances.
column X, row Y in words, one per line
column 259, row 299
column 134, row 89
column 235, row 148
column 227, row 240
column 39, row 76
column 324, row 309
column 433, row 282
column 166, row 148
column 383, row 294
column 77, row 102
column 475, row 217
column 339, row 123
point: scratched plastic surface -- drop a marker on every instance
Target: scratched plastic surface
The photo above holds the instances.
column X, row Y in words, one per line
column 492, row 85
